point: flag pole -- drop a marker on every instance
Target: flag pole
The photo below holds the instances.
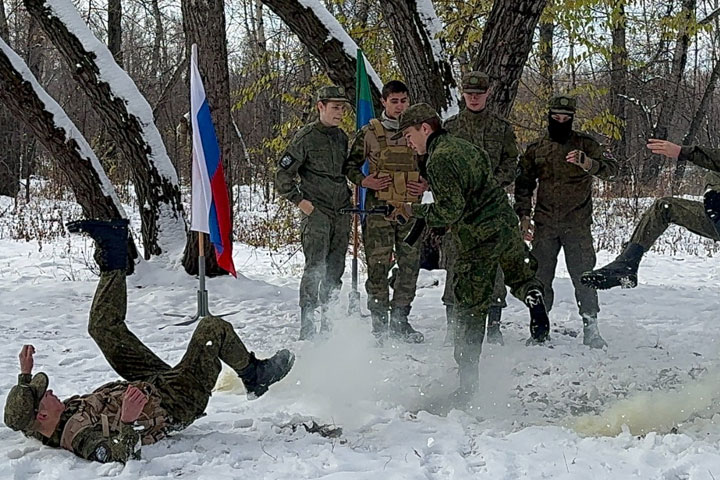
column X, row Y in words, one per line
column 354, row 295
column 203, row 307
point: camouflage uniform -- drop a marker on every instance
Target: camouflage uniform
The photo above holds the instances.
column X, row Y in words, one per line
column 492, row 133
column 484, row 229
column 317, row 156
column 563, row 209
column 381, row 237
column 177, row 395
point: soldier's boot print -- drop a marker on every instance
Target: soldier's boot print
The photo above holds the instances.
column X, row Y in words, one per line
column 621, row 272
column 307, row 323
column 260, row 374
column 591, row 333
column 111, row 241
column 494, row 335
column 539, row 321
column 450, row 332
column 400, row 327
column 379, row 319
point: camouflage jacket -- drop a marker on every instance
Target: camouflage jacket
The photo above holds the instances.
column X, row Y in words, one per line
column 90, row 426
column 564, row 190
column 493, row 134
column 317, row 156
column 704, row 157
column 466, row 196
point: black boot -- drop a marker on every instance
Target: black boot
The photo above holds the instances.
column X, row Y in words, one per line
column 622, row 272
column 539, row 321
column 307, row 323
column 325, row 324
column 711, row 201
column 401, row 328
column 379, row 320
column 111, row 241
column 450, row 332
column 494, row 335
column 260, row 374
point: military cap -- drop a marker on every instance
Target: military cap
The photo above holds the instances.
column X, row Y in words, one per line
column 475, row 82
column 331, row 93
column 23, row 401
column 414, row 115
column 562, row 104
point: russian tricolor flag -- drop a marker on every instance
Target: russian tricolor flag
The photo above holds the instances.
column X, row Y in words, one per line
column 210, row 202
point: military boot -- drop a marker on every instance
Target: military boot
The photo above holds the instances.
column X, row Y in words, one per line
column 325, row 323
column 622, row 272
column 307, row 323
column 450, row 333
column 260, row 374
column 400, row 327
column 591, row 333
column 711, row 201
column 379, row 319
column 111, row 241
column 539, row 321
column 494, row 335
column 469, row 377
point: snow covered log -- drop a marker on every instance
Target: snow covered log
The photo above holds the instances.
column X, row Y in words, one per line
column 127, row 116
column 327, row 41
column 506, row 43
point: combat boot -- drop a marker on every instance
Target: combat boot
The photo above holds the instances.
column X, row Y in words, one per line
column 260, row 374
column 591, row 333
column 494, row 335
column 400, row 327
column 111, row 241
column 325, row 324
column 622, row 272
column 307, row 323
column 379, row 319
column 450, row 333
column 539, row 321
column 468, row 376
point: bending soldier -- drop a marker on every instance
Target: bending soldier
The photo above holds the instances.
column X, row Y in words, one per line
column 393, row 177
column 562, row 165
column 492, row 133
column 111, row 424
column 701, row 218
column 317, row 156
column 484, row 229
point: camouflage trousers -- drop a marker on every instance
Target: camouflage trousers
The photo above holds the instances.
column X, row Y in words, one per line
column 325, row 241
column 480, row 252
column 185, row 388
column 381, row 238
column 577, row 243
column 449, row 253
column 667, row 211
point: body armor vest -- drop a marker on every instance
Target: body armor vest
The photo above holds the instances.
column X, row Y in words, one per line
column 396, row 161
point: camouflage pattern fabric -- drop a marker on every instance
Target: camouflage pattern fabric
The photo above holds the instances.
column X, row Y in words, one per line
column 668, row 211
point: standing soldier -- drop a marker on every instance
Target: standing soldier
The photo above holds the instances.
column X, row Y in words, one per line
column 317, row 156
column 562, row 164
column 485, row 232
column 393, row 177
column 492, row 133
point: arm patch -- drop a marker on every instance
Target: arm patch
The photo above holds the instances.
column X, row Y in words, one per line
column 101, row 454
column 286, row 161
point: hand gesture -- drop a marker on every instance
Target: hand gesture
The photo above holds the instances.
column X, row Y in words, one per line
column 26, row 359
column 579, row 158
column 663, row 147
column 418, row 188
column 373, row 182
column 133, row 403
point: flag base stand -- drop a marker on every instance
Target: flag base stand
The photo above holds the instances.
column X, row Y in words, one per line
column 203, row 306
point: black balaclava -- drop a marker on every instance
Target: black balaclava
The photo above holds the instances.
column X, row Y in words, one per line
column 560, row 132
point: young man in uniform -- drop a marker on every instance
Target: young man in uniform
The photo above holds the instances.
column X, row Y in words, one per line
column 316, row 156
column 562, row 165
column 393, row 177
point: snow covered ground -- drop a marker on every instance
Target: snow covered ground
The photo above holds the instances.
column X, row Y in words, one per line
column 659, row 374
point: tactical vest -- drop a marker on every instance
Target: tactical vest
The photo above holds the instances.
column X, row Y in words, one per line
column 396, row 161
column 104, row 407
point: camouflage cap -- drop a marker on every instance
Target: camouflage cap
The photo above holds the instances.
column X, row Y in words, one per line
column 331, row 93
column 475, row 82
column 562, row 104
column 414, row 115
column 23, row 401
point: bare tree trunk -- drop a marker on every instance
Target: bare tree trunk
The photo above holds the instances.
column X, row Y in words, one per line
column 4, row 32
column 506, row 43
column 157, row 190
column 159, row 53
column 204, row 25
column 114, row 25
column 421, row 60
column 618, row 82
column 9, row 154
column 547, row 67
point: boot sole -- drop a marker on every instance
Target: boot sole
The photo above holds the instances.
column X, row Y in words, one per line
column 603, row 283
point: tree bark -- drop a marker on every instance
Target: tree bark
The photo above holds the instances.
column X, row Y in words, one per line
column 158, row 194
column 619, row 81
column 506, row 43
column 547, row 67
column 114, row 25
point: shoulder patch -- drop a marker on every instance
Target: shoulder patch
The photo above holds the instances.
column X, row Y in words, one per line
column 286, row 161
column 101, row 454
